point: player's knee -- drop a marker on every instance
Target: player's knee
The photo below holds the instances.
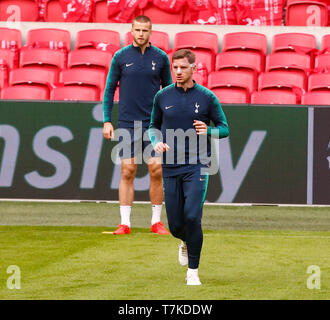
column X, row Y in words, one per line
column 128, row 173
column 156, row 172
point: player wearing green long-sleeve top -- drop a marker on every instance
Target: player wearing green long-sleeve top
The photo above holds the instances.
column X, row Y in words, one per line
column 140, row 69
column 186, row 108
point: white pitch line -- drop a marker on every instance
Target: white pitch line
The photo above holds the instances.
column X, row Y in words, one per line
column 268, row 235
column 147, row 202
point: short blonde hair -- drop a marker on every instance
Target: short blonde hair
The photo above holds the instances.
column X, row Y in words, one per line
column 142, row 19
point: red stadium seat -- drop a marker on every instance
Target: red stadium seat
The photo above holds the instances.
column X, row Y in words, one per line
column 289, row 61
column 273, row 96
column 10, row 58
column 49, row 37
column 316, row 98
column 282, row 80
column 205, row 58
column 325, row 44
column 204, row 44
column 306, row 13
column 160, row 16
column 53, row 11
column 91, row 58
column 232, row 78
column 239, row 60
column 25, row 92
column 46, row 47
column 106, row 40
column 158, row 38
column 78, row 76
column 9, row 37
column 75, row 93
column 245, row 41
column 18, row 10
column 43, row 57
column 322, row 63
column 10, row 44
column 294, row 42
column 231, row 95
column 197, row 40
column 319, row 81
column 201, row 74
column 33, row 75
column 3, row 73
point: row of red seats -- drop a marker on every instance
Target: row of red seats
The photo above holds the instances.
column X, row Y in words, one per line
column 205, row 44
column 39, row 92
column 275, row 96
column 242, row 85
column 240, row 66
column 256, row 12
column 225, row 95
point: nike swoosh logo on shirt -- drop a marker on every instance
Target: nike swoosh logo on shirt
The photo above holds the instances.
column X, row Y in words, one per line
column 168, row 107
column 129, row 64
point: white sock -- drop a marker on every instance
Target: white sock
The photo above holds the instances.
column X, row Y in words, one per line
column 156, row 213
column 125, row 213
column 192, row 271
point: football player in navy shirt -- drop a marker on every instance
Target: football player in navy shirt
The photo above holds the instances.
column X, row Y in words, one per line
column 141, row 69
column 186, row 107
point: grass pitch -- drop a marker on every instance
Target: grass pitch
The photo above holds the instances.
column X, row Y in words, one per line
column 248, row 253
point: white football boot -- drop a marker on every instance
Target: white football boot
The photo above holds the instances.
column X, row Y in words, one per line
column 193, row 278
column 183, row 254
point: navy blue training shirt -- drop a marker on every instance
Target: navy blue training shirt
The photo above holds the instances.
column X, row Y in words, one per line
column 175, row 109
column 140, row 76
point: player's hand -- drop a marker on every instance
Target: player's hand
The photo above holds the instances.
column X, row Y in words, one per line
column 108, row 131
column 161, row 147
column 200, row 126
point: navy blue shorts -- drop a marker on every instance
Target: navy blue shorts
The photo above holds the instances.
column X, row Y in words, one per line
column 134, row 143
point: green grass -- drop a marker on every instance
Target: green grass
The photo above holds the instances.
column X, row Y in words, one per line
column 248, row 253
column 214, row 217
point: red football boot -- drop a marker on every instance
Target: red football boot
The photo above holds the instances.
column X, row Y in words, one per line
column 122, row 229
column 159, row 228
